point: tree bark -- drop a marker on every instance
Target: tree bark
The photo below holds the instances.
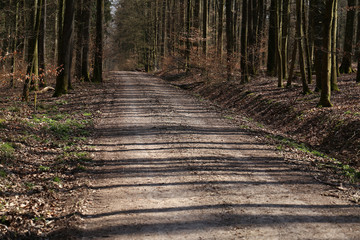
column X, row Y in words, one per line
column 188, row 28
column 326, row 63
column 14, row 44
column 79, row 38
column 245, row 78
column 64, row 63
column 334, row 67
column 358, row 46
column 32, row 72
column 271, row 61
column 300, row 37
column 318, row 29
column 42, row 45
column 98, row 61
column 220, row 28
column 349, row 35
column 204, row 30
column 85, row 75
column 229, row 38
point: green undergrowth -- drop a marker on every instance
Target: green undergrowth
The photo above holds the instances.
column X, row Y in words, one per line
column 352, row 174
column 6, row 150
column 62, row 127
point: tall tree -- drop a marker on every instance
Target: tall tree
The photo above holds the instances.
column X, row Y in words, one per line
column 358, row 46
column 163, row 28
column 300, row 37
column 244, row 61
column 229, row 38
column 271, row 61
column 65, row 44
column 79, row 37
column 14, row 43
column 42, row 44
column 205, row 26
column 318, row 11
column 285, row 37
column 220, row 28
column 98, row 61
column 32, row 72
column 326, row 63
column 278, row 41
column 334, row 65
column 85, row 18
column 348, row 40
column 188, row 33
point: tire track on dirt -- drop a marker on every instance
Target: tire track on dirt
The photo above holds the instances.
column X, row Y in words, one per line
column 168, row 167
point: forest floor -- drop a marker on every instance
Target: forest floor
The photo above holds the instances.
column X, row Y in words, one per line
column 43, row 158
column 169, row 165
column 165, row 163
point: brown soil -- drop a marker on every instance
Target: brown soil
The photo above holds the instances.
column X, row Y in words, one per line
column 170, row 167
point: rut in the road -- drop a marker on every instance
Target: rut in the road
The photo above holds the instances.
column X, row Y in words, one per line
column 168, row 167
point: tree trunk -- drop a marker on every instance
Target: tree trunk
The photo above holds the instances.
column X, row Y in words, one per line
column 292, row 66
column 98, row 64
column 285, row 37
column 32, row 72
column 85, row 75
column 42, row 47
column 349, row 35
column 244, row 41
column 271, row 61
column 326, row 63
column 358, row 46
column 62, row 80
column 306, row 46
column 252, row 38
column 14, row 44
column 318, row 29
column 204, row 30
column 163, row 29
column 229, row 38
column 188, row 28
column 334, row 83
column 278, row 41
column 79, row 38
column 220, row 28
column 300, row 37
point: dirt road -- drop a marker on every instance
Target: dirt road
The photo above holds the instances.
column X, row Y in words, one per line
column 170, row 168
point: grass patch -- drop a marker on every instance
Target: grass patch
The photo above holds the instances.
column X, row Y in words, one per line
column 61, row 125
column 2, row 123
column 229, row 117
column 6, row 150
column 61, row 102
column 44, row 169
column 57, row 179
column 14, row 109
column 3, row 174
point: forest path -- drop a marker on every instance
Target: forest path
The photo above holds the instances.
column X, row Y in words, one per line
column 168, row 167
